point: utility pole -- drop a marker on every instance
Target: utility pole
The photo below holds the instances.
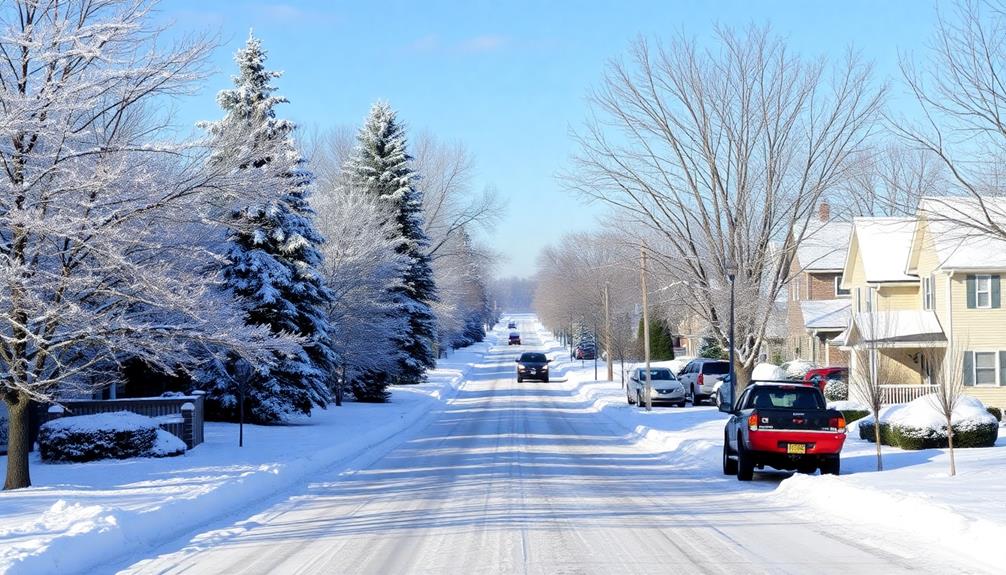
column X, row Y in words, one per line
column 607, row 333
column 646, row 329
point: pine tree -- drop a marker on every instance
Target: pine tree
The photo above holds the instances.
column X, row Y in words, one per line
column 661, row 340
column 380, row 165
column 273, row 258
column 712, row 349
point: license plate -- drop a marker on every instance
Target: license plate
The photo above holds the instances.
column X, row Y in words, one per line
column 796, row 448
column 533, row 372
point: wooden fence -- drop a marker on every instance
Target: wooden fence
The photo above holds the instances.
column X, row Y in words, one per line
column 892, row 394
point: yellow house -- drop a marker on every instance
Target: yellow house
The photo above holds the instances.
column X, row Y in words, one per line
column 921, row 284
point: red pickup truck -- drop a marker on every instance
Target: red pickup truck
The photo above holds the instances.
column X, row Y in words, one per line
column 785, row 425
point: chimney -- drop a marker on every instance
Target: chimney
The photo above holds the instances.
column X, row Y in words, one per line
column 824, row 212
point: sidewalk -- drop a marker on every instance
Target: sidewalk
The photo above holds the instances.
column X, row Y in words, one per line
column 80, row 515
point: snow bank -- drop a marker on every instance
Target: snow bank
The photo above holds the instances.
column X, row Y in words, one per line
column 848, row 405
column 798, row 368
column 135, row 505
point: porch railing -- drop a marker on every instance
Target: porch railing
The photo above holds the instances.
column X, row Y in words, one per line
column 891, row 394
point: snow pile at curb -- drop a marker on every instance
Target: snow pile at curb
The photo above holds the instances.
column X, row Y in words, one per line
column 888, row 508
column 923, row 413
column 154, row 502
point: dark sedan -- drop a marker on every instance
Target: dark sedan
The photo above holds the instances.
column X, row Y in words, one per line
column 531, row 365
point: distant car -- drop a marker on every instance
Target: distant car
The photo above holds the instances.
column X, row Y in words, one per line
column 511, row 325
column 819, row 377
column 514, row 338
column 532, row 365
column 585, row 351
column 664, row 387
column 700, row 376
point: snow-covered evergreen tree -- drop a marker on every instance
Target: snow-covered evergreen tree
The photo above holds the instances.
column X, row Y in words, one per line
column 273, row 256
column 380, row 166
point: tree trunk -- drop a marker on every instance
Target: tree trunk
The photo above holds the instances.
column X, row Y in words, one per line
column 876, row 438
column 743, row 374
column 18, row 441
column 950, row 444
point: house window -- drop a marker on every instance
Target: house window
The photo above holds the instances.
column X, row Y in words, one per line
column 985, row 368
column 983, row 291
column 927, row 293
column 839, row 292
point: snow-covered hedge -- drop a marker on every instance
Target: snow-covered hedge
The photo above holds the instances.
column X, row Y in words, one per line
column 836, row 390
column 118, row 435
column 919, row 425
column 798, row 368
column 768, row 371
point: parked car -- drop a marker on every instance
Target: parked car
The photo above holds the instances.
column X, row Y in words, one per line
column 532, row 365
column 514, row 338
column 820, row 377
column 585, row 351
column 511, row 325
column 664, row 387
column 784, row 425
column 700, row 376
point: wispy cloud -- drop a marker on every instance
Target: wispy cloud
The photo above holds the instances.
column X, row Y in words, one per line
column 485, row 43
column 433, row 43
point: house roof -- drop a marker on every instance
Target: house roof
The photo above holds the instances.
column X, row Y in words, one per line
column 824, row 315
column 824, row 245
column 960, row 235
column 907, row 328
column 884, row 245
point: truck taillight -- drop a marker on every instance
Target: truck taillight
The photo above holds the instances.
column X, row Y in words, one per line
column 753, row 422
column 837, row 423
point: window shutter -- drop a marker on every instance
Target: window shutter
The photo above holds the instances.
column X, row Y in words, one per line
column 932, row 291
column 995, row 292
column 972, row 297
column 1002, row 368
column 969, row 368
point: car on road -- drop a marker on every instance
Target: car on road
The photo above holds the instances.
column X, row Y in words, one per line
column 511, row 325
column 514, row 338
column 700, row 377
column 785, row 425
column 532, row 365
column 585, row 351
column 664, row 387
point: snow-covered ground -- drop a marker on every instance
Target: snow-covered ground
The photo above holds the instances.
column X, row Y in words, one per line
column 80, row 515
column 914, row 496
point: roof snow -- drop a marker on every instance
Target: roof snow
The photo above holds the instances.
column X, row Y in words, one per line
column 892, row 327
column 824, row 246
column 961, row 237
column 884, row 247
column 828, row 314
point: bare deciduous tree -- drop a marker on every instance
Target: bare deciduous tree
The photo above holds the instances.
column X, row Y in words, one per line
column 102, row 227
column 722, row 156
column 947, row 375
column 888, row 182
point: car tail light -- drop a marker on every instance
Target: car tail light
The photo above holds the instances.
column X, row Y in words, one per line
column 699, row 380
column 753, row 422
column 837, row 423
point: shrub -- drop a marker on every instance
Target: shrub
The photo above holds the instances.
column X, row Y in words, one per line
column 836, row 390
column 118, row 435
column 996, row 413
column 851, row 415
column 968, row 433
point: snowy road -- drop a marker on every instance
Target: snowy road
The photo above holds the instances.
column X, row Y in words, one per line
column 524, row 478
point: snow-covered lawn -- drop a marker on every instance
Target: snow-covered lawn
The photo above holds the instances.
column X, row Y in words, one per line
column 80, row 515
column 914, row 497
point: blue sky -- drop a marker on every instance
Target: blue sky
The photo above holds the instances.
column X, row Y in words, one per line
column 508, row 79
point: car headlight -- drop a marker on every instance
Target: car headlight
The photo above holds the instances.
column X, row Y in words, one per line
column 544, row 368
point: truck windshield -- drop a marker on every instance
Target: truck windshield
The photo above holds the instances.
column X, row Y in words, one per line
column 785, row 398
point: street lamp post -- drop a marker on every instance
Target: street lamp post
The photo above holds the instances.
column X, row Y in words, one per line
column 731, row 269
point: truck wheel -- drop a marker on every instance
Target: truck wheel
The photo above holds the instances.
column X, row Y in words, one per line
column 831, row 466
column 545, row 380
column 729, row 465
column 745, row 463
column 520, row 379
